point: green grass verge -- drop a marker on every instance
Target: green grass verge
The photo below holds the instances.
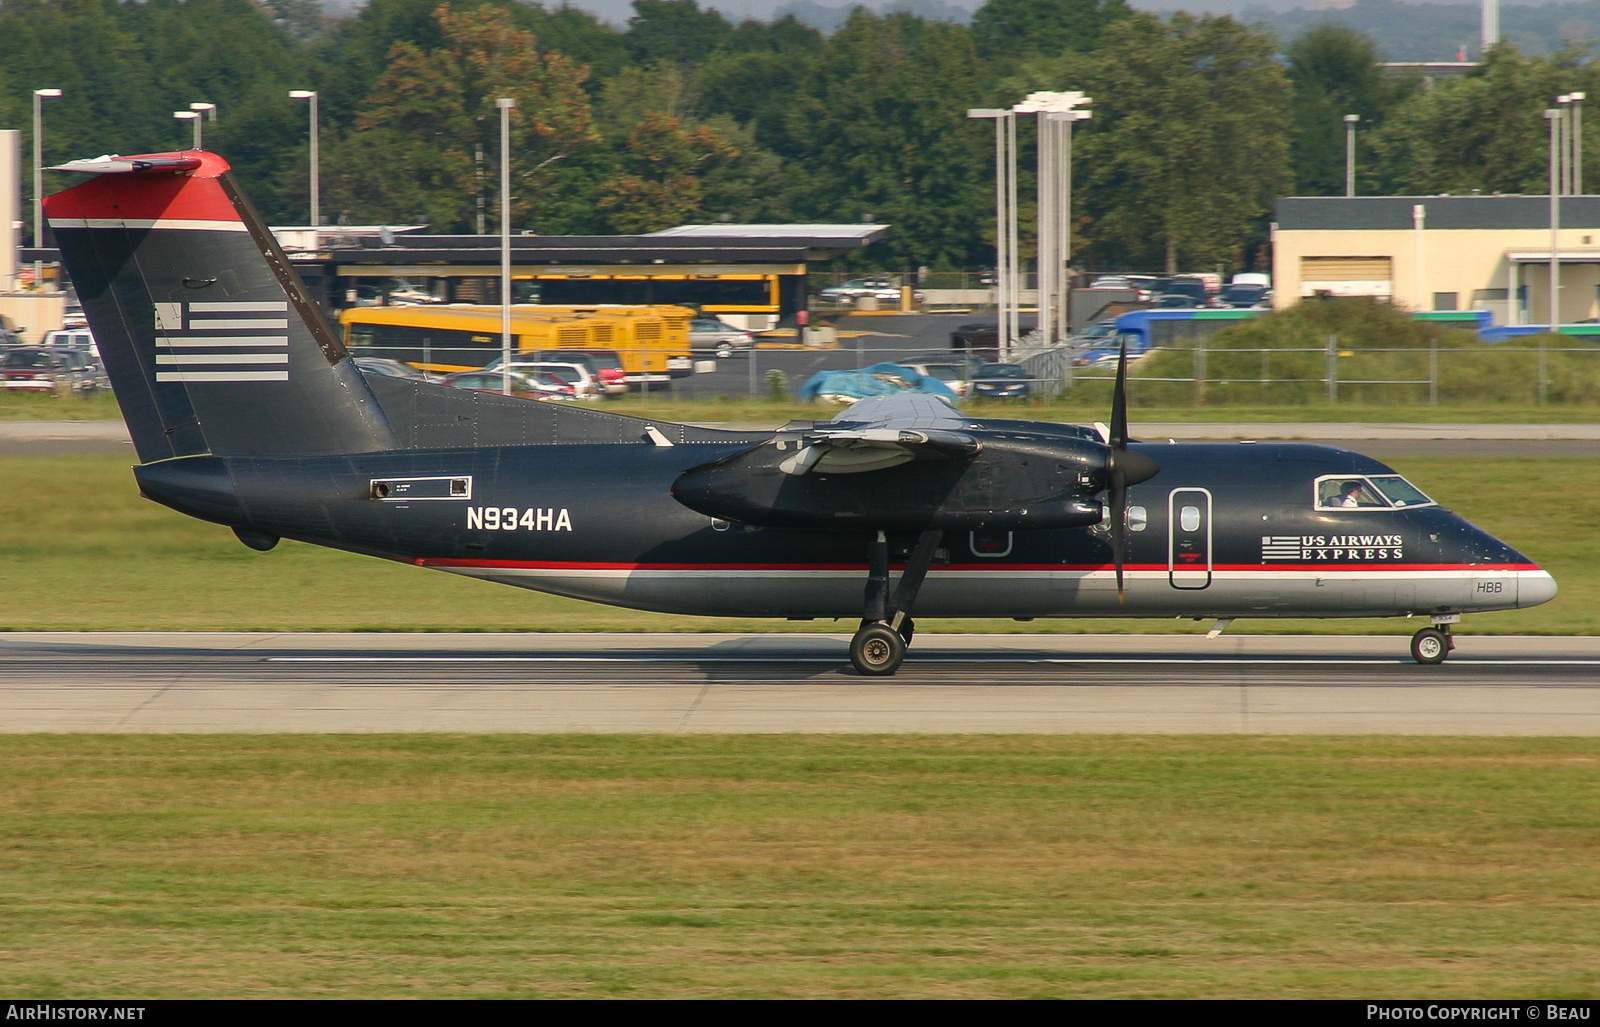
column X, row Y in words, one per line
column 798, row 866
column 79, row 550
column 16, row 406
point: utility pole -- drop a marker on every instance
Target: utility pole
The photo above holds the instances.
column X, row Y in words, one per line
column 316, row 158
column 39, row 95
column 1554, row 117
column 1004, row 212
column 1350, row 153
column 505, row 104
column 1056, row 113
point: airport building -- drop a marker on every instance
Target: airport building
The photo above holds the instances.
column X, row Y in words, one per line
column 752, row 276
column 1441, row 253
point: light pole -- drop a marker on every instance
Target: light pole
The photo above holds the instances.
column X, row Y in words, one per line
column 39, row 95
column 192, row 117
column 205, row 110
column 316, row 163
column 505, row 104
column 1554, row 117
column 1004, row 214
column 1564, row 115
column 1057, row 112
column 1350, row 153
column 1577, row 142
column 1064, row 239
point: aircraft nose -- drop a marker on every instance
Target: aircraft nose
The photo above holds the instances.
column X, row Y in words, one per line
column 1535, row 587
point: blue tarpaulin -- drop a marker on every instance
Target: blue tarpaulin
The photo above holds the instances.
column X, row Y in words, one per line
column 877, row 380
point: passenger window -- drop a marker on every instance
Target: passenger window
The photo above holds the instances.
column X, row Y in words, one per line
column 1189, row 518
column 1138, row 518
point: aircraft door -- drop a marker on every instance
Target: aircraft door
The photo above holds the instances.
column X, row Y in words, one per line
column 1189, row 538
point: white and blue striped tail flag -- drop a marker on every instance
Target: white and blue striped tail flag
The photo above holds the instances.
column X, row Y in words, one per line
column 222, row 342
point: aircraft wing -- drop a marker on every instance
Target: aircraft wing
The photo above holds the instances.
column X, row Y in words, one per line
column 906, row 410
column 856, row 450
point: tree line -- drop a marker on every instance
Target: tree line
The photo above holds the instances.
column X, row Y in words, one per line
column 1199, row 123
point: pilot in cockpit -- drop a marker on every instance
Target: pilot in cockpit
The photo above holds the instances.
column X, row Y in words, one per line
column 1354, row 494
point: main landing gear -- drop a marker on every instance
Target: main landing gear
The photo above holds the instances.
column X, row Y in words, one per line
column 1431, row 645
column 879, row 646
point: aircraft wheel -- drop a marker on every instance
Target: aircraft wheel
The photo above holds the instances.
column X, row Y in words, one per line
column 1430, row 645
column 877, row 650
column 908, row 629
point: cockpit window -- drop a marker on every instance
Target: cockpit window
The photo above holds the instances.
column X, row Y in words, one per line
column 1399, row 491
column 1375, row 492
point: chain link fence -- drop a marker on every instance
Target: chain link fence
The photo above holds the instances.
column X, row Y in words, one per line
column 1193, row 373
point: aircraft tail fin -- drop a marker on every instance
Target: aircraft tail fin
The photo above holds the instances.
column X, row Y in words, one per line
column 212, row 343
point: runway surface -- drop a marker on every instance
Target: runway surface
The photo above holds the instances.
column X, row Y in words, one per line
column 216, row 682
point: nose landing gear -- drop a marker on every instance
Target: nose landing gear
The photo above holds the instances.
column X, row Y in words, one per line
column 1432, row 644
column 879, row 646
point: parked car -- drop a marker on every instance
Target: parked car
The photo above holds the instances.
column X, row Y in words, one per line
column 1095, row 333
column 576, row 369
column 1000, row 381
column 710, row 335
column 1191, row 286
column 885, row 290
column 1245, row 294
column 982, row 339
column 392, row 369
column 855, row 288
column 72, row 338
column 524, row 384
column 957, row 374
column 1143, row 285
column 605, row 362
column 54, row 370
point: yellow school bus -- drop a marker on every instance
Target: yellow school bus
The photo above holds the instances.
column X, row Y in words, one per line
column 652, row 342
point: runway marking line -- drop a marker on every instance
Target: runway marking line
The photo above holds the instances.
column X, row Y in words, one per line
column 933, row 658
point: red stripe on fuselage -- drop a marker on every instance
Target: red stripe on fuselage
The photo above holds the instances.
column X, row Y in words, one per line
column 578, row 565
column 154, row 195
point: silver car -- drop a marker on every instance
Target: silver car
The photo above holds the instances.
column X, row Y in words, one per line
column 709, row 335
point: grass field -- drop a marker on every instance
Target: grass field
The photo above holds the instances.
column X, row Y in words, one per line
column 79, row 550
column 798, row 866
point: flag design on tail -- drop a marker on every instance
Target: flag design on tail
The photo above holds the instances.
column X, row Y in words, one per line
column 222, row 342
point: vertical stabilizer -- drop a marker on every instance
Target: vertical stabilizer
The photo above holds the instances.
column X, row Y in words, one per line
column 210, row 339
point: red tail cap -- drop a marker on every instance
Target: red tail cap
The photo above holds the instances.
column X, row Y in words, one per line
column 184, row 189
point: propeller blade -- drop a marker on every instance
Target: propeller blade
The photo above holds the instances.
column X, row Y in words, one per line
column 1118, row 471
column 1118, row 497
column 1119, row 401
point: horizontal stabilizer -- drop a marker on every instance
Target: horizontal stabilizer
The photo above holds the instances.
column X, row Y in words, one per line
column 113, row 165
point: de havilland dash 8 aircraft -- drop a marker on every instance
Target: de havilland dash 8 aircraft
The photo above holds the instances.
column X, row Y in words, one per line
column 247, row 411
